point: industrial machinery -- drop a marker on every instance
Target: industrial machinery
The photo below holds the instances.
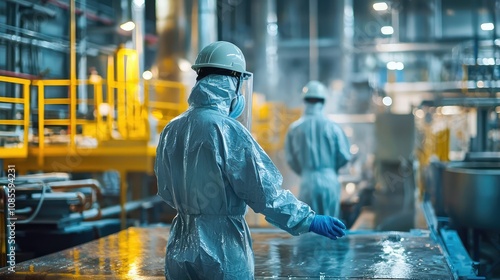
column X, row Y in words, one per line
column 52, row 206
column 461, row 177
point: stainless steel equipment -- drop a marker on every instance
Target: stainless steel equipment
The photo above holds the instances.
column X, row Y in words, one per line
column 471, row 192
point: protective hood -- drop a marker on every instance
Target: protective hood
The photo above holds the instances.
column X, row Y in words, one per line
column 314, row 109
column 214, row 91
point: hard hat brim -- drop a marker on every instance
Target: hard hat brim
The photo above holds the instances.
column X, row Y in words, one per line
column 195, row 67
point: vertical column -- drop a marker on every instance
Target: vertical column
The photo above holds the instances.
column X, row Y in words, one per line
column 313, row 40
column 138, row 40
column 207, row 22
column 82, row 65
column 72, row 71
column 265, row 65
column 347, row 42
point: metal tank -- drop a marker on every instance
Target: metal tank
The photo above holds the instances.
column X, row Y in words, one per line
column 471, row 192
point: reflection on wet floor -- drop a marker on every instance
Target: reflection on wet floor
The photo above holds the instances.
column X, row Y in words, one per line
column 138, row 253
column 383, row 255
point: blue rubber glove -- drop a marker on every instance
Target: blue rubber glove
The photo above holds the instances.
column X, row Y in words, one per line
column 327, row 226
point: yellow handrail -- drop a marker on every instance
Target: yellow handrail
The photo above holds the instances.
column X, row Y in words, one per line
column 17, row 152
column 164, row 100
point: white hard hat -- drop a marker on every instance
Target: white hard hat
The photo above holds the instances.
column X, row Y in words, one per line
column 223, row 55
column 314, row 89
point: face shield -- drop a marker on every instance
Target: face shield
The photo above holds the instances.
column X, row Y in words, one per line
column 246, row 89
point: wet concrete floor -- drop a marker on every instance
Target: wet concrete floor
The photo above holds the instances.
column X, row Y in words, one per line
column 138, row 253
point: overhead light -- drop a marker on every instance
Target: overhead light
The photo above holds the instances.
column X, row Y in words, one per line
column 354, row 149
column 393, row 65
column 487, row 26
column 104, row 109
column 419, row 113
column 127, row 26
column 139, row 3
column 450, row 110
column 387, row 101
column 350, row 188
column 380, row 6
column 147, row 75
column 387, row 30
column 184, row 65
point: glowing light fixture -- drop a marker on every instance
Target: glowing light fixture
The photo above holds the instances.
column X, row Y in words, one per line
column 387, row 101
column 147, row 75
column 419, row 113
column 487, row 26
column 104, row 109
column 139, row 3
column 380, row 6
column 393, row 65
column 350, row 188
column 184, row 65
column 387, row 30
column 354, row 149
column 127, row 26
column 450, row 110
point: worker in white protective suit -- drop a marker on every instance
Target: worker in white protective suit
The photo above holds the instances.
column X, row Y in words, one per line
column 315, row 149
column 209, row 168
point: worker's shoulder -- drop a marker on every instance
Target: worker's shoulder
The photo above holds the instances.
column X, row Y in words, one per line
column 206, row 123
column 296, row 123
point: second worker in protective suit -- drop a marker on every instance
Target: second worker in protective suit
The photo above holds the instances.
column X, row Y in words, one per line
column 316, row 148
column 209, row 168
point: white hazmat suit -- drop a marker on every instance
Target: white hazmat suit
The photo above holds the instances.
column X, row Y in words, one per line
column 209, row 168
column 315, row 149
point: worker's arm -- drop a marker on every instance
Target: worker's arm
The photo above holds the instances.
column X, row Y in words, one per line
column 255, row 179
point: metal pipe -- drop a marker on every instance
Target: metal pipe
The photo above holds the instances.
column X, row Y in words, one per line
column 38, row 8
column 265, row 48
column 438, row 19
column 117, row 209
column 82, row 65
column 12, row 27
column 62, row 46
column 395, row 24
column 72, row 71
column 18, row 75
column 313, row 40
column 347, row 35
column 13, row 53
column 94, row 185
column 272, row 48
column 207, row 22
column 88, row 14
column 138, row 39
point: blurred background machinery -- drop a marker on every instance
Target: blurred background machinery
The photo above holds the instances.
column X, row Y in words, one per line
column 87, row 86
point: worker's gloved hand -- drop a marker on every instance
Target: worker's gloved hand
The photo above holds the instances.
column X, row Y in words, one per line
column 327, row 226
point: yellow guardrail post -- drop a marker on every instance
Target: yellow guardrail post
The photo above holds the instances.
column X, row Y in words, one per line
column 41, row 122
column 145, row 108
column 26, row 94
column 110, row 93
column 120, row 94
